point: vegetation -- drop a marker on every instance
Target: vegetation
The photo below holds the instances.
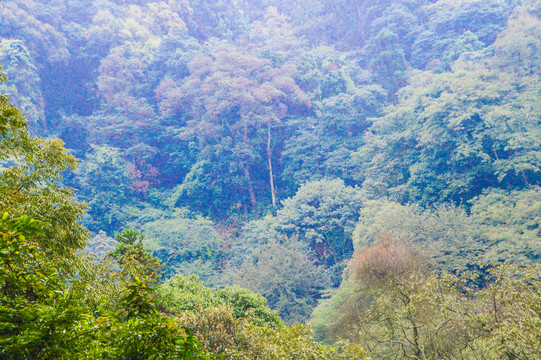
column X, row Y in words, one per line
column 57, row 303
column 370, row 167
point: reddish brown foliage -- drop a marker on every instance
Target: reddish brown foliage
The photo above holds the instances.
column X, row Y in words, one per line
column 387, row 261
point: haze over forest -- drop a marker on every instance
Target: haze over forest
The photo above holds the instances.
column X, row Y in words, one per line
column 270, row 179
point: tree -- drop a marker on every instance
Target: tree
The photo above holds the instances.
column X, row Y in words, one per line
column 30, row 183
column 25, row 83
column 454, row 239
column 29, row 288
column 388, row 63
column 453, row 136
column 236, row 323
column 181, row 294
column 104, row 181
column 284, row 273
column 388, row 275
column 447, row 21
column 187, row 244
column 322, row 145
column 46, row 308
column 321, row 215
column 509, row 222
column 134, row 259
column 236, row 110
column 398, row 309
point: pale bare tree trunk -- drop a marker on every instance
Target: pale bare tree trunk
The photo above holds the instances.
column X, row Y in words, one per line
column 269, row 156
column 250, row 187
column 246, row 171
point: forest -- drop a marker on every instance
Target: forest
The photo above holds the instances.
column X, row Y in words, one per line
column 270, row 179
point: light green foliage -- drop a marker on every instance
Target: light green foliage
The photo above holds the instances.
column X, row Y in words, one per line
column 397, row 309
column 518, row 47
column 453, row 239
column 44, row 318
column 296, row 342
column 322, row 215
column 327, row 318
column 24, row 84
column 502, row 227
column 133, row 258
column 511, row 222
column 29, row 183
column 453, row 136
column 186, row 244
column 236, row 323
column 180, row 294
column 509, row 310
column 230, row 338
column 31, row 295
column 250, row 305
column 186, row 293
column 283, row 272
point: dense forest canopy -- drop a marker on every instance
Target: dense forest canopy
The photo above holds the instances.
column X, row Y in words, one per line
column 371, row 160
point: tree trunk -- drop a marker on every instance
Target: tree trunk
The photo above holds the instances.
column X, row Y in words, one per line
column 250, row 187
column 269, row 156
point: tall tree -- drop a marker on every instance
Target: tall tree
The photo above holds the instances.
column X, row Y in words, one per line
column 238, row 101
column 30, row 182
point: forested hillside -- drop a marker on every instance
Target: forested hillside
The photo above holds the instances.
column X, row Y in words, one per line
column 370, row 167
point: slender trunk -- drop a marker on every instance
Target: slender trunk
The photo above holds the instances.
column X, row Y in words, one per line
column 271, row 176
column 245, row 170
column 250, row 187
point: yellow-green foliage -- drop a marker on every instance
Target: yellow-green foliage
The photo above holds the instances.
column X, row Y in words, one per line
column 394, row 306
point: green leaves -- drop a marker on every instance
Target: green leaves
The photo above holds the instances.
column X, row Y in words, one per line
column 449, row 140
column 137, row 303
column 42, row 317
column 394, row 306
column 29, row 182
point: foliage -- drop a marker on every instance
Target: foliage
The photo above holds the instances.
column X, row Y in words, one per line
column 24, row 86
column 43, row 317
column 452, row 137
column 388, row 63
column 287, row 277
column 29, row 183
column 180, row 294
column 397, row 309
column 291, row 257
column 321, row 215
column 236, row 323
column 274, row 122
column 510, row 221
column 133, row 258
column 454, row 239
column 236, row 113
column 105, row 168
column 501, row 227
column 30, row 287
column 322, row 145
column 187, row 244
column 100, row 245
